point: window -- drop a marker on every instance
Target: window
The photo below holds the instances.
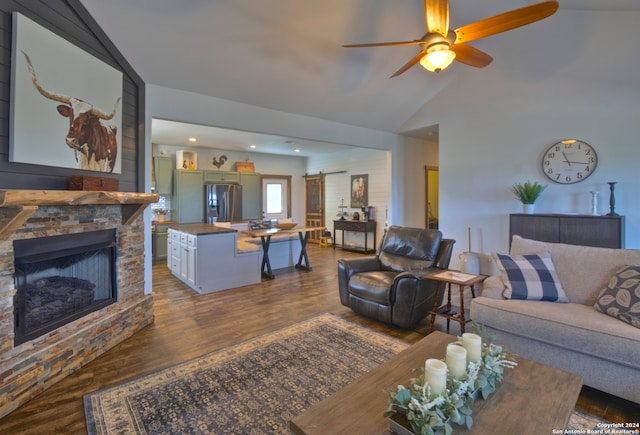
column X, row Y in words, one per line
column 274, row 198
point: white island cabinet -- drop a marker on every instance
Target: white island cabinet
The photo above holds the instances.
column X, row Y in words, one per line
column 182, row 262
column 206, row 258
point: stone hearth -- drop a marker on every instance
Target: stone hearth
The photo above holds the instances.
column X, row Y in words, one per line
column 29, row 368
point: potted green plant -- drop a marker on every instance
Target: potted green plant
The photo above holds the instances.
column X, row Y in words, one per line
column 527, row 193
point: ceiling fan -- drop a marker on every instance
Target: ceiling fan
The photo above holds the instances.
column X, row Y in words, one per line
column 440, row 45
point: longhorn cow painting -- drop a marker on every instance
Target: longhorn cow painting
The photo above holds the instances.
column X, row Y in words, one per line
column 65, row 104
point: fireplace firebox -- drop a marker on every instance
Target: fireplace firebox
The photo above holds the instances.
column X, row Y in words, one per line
column 59, row 279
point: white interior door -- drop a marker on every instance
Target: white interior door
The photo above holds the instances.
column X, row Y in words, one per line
column 275, row 198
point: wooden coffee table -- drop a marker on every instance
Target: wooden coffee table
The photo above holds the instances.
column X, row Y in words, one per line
column 533, row 398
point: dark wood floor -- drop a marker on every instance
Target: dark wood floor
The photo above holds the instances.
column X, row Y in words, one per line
column 188, row 325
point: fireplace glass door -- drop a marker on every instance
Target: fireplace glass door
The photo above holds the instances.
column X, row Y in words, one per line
column 59, row 279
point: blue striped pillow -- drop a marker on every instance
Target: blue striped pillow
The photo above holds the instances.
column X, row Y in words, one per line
column 530, row 277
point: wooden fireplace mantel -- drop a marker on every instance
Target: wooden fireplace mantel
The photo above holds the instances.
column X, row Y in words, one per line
column 16, row 206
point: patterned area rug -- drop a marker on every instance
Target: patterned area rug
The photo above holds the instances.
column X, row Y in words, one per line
column 254, row 387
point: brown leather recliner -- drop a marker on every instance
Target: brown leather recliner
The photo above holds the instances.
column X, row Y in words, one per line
column 391, row 286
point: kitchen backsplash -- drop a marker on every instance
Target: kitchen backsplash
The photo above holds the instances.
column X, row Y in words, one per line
column 164, row 203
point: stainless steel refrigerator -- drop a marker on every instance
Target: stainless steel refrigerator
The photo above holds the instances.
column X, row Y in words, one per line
column 223, row 203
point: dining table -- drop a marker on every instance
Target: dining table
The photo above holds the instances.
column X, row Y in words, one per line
column 265, row 235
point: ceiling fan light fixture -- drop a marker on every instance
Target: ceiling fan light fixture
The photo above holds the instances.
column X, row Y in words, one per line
column 438, row 57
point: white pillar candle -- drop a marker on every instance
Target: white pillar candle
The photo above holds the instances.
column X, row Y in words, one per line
column 435, row 373
column 473, row 344
column 456, row 360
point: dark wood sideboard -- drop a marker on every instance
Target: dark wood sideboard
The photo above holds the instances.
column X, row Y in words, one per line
column 586, row 230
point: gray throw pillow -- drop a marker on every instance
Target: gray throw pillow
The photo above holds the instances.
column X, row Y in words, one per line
column 621, row 297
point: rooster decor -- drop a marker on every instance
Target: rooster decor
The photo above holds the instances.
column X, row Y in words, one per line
column 217, row 163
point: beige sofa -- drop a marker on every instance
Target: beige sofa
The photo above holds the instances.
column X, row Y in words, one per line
column 574, row 336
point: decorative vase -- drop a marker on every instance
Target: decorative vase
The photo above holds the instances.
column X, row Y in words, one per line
column 594, row 203
column 528, row 208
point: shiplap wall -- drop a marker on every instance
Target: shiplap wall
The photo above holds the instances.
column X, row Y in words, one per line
column 356, row 161
column 70, row 20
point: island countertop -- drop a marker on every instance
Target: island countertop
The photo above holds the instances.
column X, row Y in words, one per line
column 201, row 229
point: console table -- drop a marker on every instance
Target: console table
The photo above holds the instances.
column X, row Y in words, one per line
column 365, row 227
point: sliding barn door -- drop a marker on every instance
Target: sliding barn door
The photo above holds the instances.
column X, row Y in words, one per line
column 314, row 209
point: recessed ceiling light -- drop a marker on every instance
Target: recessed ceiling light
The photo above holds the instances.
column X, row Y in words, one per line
column 252, row 146
column 193, row 139
column 296, row 150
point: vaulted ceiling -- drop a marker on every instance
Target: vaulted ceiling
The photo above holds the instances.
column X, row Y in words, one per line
column 286, row 54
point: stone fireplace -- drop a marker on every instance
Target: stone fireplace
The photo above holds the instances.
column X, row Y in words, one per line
column 79, row 257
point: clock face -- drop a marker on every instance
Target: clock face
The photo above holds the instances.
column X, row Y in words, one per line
column 569, row 161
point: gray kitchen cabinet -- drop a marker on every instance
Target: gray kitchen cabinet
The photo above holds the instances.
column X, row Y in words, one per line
column 188, row 196
column 163, row 169
column 251, row 195
column 159, row 243
column 221, row 176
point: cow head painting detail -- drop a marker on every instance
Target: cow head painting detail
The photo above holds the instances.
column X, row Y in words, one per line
column 92, row 133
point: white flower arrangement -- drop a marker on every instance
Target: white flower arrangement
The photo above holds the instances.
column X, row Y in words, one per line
column 433, row 414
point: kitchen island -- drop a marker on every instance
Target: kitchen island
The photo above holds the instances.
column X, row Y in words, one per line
column 206, row 258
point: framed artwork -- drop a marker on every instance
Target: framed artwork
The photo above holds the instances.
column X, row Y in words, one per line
column 66, row 108
column 359, row 191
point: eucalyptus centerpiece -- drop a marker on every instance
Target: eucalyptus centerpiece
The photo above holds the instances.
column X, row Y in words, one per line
column 422, row 408
column 527, row 193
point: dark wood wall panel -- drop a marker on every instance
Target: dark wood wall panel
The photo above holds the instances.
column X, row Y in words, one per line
column 70, row 20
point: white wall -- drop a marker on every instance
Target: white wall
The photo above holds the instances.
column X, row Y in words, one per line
column 495, row 123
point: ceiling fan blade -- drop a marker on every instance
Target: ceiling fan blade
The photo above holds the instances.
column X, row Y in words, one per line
column 437, row 16
column 384, row 44
column 471, row 56
column 506, row 21
column 414, row 60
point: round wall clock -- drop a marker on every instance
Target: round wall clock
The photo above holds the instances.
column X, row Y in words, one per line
column 569, row 161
